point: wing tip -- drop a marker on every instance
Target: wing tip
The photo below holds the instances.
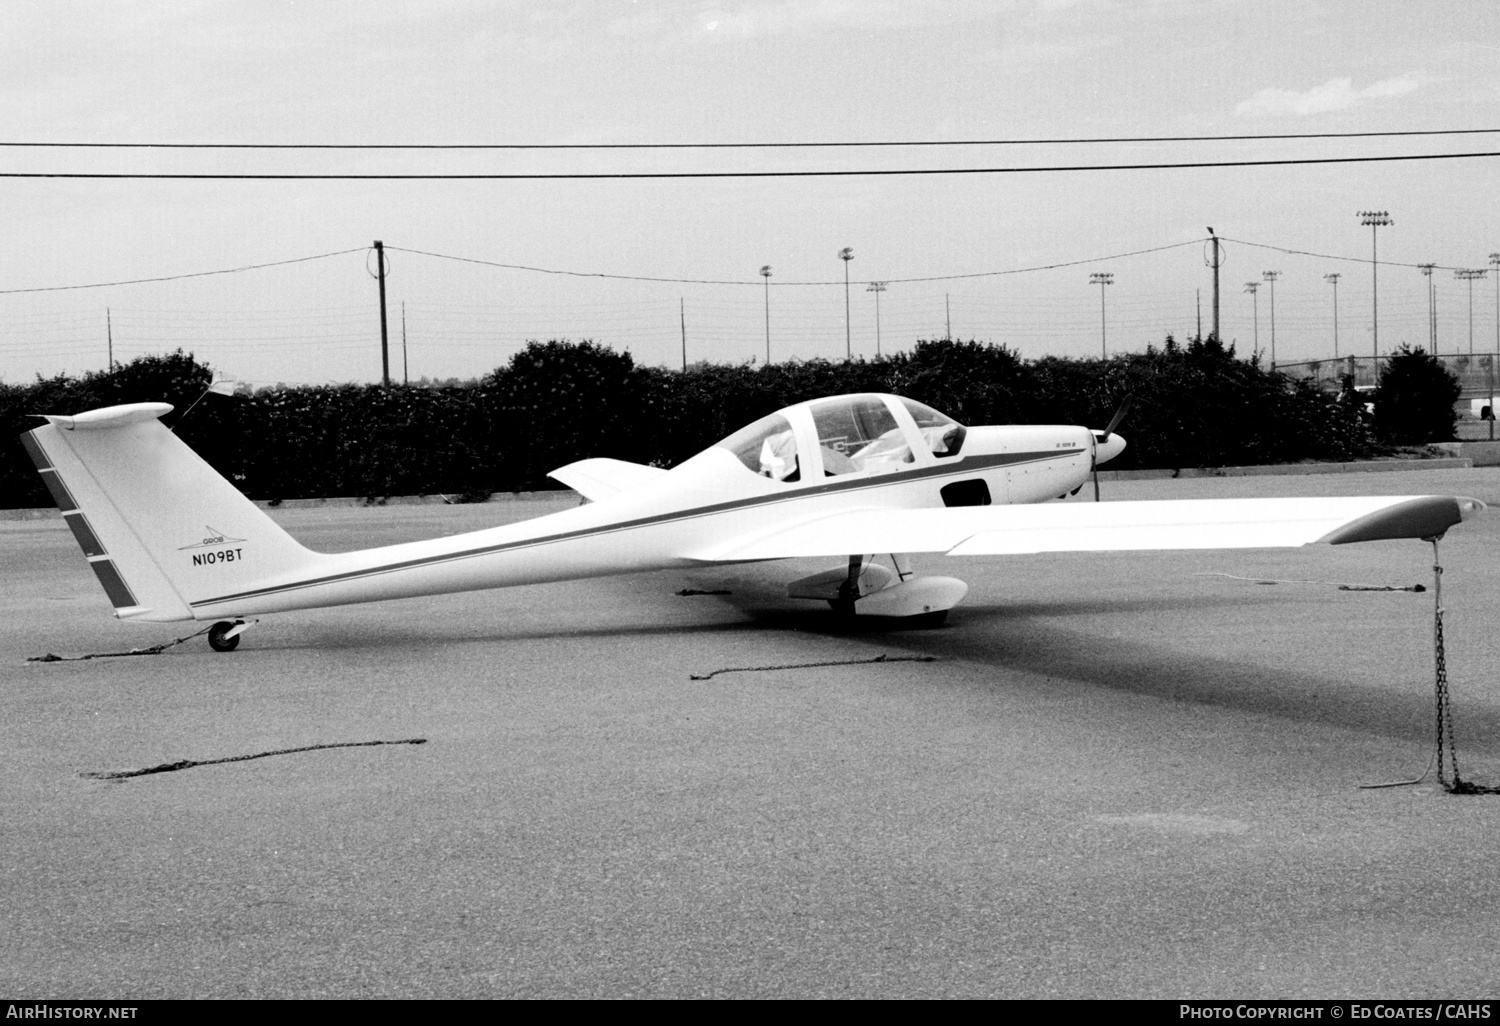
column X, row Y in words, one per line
column 1427, row 516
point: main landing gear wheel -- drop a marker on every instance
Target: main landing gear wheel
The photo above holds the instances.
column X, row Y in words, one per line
column 217, row 639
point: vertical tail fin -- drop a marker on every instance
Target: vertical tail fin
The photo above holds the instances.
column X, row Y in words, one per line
column 158, row 525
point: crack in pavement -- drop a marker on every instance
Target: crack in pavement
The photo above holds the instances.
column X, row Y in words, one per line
column 808, row 666
column 171, row 767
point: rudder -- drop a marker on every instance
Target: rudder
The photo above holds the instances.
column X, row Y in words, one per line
column 158, row 525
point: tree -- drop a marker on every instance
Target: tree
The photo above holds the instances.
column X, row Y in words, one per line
column 1414, row 401
column 560, row 401
column 972, row 382
column 175, row 377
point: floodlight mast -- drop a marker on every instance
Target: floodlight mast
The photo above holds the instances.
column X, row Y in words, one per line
column 876, row 287
column 765, row 272
column 1470, row 275
column 1427, row 270
column 1333, row 277
column 847, row 254
column 1102, row 278
column 1495, row 263
column 1253, row 287
column 1376, row 219
column 1271, row 277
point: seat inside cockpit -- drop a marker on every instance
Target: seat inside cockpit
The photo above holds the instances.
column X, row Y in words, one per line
column 767, row 447
column 854, row 434
column 859, row 432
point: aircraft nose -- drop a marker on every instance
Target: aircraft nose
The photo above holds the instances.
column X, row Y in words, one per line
column 1107, row 448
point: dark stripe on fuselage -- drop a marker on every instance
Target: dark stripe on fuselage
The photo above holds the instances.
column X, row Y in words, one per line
column 970, row 465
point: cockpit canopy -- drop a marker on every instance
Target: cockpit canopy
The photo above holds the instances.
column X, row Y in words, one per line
column 847, row 434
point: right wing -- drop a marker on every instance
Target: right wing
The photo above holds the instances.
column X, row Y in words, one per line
column 1105, row 527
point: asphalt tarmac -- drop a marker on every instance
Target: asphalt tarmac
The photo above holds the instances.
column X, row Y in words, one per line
column 1118, row 776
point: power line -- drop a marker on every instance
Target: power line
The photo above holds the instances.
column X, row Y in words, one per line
column 672, row 175
column 709, row 281
column 660, row 279
column 1329, row 256
column 846, row 144
column 178, row 277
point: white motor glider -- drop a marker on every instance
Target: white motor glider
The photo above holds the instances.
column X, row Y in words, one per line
column 170, row 539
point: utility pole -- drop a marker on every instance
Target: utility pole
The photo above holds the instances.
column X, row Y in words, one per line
column 1470, row 275
column 1376, row 219
column 1271, row 277
column 1495, row 263
column 682, row 316
column 847, row 254
column 1198, row 301
column 948, row 317
column 765, row 272
column 1253, row 287
column 1427, row 270
column 405, row 368
column 1217, row 263
column 109, row 335
column 1101, row 279
column 385, row 350
column 876, row 287
column 1334, row 278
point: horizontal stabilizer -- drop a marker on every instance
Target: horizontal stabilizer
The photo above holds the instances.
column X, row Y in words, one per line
column 1107, row 527
column 599, row 478
column 110, row 417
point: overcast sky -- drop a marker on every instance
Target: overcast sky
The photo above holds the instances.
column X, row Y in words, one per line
column 811, row 71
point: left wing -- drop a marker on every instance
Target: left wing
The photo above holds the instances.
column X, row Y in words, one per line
column 1105, row 527
column 600, row 477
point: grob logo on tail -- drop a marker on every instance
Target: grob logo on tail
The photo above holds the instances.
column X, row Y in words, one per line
column 215, row 539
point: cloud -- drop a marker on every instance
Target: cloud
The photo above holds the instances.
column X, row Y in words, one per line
column 737, row 20
column 1335, row 94
column 780, row 17
column 776, row 18
column 1045, row 50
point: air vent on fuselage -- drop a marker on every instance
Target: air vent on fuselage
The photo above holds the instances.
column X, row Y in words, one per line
column 974, row 492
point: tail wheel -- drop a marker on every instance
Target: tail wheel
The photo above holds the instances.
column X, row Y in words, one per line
column 217, row 640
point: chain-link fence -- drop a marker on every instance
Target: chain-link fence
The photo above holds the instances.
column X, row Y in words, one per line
column 1479, row 374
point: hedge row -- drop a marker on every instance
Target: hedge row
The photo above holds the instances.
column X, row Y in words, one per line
column 1195, row 405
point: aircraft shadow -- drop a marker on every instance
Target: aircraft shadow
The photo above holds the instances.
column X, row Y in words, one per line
column 1024, row 642
column 1018, row 637
column 332, row 638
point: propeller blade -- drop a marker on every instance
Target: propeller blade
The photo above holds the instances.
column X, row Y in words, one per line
column 1114, row 421
column 1103, row 437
